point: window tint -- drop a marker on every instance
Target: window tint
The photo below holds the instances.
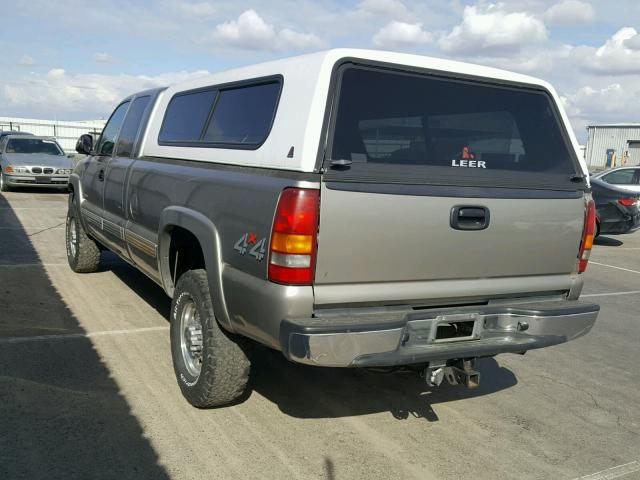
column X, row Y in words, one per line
column 110, row 132
column 620, row 177
column 392, row 123
column 243, row 115
column 33, row 145
column 131, row 126
column 186, row 116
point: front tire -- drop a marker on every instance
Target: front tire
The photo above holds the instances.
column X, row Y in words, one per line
column 211, row 366
column 83, row 253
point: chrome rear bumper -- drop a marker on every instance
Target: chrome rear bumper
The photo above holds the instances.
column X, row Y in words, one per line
column 392, row 337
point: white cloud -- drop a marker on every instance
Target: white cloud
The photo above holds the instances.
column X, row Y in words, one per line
column 570, row 12
column 26, row 60
column 393, row 8
column 60, row 94
column 492, row 29
column 56, row 73
column 196, row 10
column 251, row 32
column 617, row 102
column 633, row 42
column 103, row 57
column 618, row 56
column 588, row 100
column 401, row 34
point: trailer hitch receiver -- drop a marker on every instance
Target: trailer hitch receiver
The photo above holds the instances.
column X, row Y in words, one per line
column 457, row 372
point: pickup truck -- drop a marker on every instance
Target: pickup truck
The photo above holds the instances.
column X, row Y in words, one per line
column 349, row 208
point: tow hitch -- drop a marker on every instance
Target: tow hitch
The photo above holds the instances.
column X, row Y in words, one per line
column 458, row 372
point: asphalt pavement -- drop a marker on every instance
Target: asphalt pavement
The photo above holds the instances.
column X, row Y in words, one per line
column 87, row 389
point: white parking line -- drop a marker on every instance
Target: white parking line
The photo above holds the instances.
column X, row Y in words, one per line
column 21, row 228
column 67, row 336
column 614, row 472
column 610, row 294
column 32, row 264
column 613, row 266
column 62, row 264
column 32, row 208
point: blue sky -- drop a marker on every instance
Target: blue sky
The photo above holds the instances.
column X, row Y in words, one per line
column 72, row 59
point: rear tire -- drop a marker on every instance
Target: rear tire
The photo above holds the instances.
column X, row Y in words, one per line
column 83, row 253
column 211, row 366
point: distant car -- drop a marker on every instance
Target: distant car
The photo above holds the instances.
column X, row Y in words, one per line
column 623, row 177
column 617, row 209
column 30, row 161
column 4, row 133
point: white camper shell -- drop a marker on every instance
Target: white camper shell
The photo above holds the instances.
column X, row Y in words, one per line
column 301, row 111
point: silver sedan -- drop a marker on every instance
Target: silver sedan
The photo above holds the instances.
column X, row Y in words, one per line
column 30, row 161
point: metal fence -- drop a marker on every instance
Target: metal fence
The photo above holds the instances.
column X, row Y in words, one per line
column 65, row 132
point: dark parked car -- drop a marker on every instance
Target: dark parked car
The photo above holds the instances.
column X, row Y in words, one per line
column 617, row 209
column 623, row 177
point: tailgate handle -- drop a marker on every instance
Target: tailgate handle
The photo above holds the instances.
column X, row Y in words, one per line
column 469, row 217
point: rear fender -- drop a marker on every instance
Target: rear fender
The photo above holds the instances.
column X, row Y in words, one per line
column 208, row 237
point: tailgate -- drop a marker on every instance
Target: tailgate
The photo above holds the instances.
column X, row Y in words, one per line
column 390, row 238
column 432, row 182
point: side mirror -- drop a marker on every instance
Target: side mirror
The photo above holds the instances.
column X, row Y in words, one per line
column 84, row 144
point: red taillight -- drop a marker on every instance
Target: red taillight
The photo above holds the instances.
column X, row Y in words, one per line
column 292, row 255
column 627, row 202
column 588, row 234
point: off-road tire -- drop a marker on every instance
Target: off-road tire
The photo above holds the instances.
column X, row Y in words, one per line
column 225, row 366
column 86, row 257
column 3, row 186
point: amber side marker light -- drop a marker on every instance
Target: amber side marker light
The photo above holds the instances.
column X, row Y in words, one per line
column 292, row 256
column 588, row 234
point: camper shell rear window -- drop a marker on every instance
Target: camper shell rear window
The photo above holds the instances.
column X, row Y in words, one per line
column 396, row 126
column 238, row 115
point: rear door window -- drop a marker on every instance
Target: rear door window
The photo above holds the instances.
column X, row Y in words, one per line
column 131, row 126
column 409, row 127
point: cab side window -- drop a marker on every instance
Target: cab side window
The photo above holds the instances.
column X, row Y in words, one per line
column 110, row 133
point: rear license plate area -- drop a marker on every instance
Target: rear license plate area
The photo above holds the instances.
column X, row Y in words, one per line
column 454, row 330
column 444, row 329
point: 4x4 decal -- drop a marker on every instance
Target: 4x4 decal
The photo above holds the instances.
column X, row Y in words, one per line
column 257, row 250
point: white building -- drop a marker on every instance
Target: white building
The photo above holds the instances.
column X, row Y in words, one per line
column 65, row 132
column 619, row 142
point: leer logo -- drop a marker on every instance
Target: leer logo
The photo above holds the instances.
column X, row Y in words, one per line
column 467, row 159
